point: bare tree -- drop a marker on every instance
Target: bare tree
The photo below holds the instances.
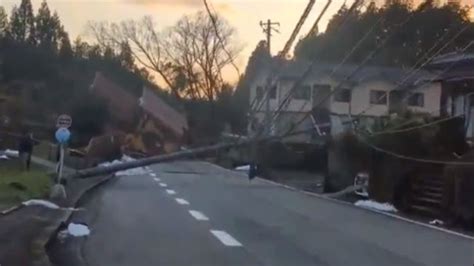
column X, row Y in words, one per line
column 143, row 39
column 189, row 56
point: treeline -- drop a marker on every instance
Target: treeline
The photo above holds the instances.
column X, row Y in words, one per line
column 36, row 48
column 406, row 33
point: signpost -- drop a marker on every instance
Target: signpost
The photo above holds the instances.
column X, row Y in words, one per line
column 62, row 136
column 64, row 121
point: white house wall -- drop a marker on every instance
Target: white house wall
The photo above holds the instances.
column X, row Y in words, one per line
column 360, row 98
column 432, row 95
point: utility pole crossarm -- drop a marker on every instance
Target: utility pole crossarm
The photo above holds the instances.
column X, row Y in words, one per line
column 268, row 27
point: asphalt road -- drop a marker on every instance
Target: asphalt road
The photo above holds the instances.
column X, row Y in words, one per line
column 194, row 213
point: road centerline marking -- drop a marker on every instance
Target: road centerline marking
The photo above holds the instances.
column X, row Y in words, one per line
column 170, row 191
column 226, row 239
column 157, row 179
column 198, row 215
column 182, row 201
column 153, row 174
column 163, row 185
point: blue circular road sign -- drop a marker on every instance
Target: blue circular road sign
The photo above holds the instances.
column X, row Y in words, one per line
column 62, row 135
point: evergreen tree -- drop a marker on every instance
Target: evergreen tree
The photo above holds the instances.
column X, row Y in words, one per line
column 3, row 22
column 22, row 23
column 65, row 48
column 80, row 48
column 406, row 33
column 109, row 54
column 126, row 56
column 48, row 28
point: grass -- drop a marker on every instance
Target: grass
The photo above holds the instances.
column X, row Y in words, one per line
column 17, row 185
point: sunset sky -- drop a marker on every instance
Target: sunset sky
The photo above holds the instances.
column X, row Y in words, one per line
column 244, row 15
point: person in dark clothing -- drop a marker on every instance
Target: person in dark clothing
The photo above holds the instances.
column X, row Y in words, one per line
column 25, row 149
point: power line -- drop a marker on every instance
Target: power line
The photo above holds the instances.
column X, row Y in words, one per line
column 416, row 69
column 414, row 159
column 216, row 30
column 271, row 80
column 408, row 122
column 297, row 29
column 355, row 5
column 287, row 99
column 389, row 132
column 365, row 61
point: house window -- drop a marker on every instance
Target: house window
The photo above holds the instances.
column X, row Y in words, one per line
column 259, row 93
column 416, row 99
column 273, row 92
column 302, row 92
column 378, row 97
column 320, row 93
column 343, row 96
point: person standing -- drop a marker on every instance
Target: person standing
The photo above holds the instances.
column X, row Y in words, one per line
column 25, row 149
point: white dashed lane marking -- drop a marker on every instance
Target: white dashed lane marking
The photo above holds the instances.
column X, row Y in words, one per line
column 226, row 239
column 153, row 174
column 157, row 179
column 170, row 191
column 198, row 215
column 163, row 185
column 182, row 201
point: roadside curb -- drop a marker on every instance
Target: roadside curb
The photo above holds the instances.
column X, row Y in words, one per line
column 47, row 236
column 321, row 196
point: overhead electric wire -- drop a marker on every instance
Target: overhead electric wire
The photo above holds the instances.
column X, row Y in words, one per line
column 415, row 159
column 339, row 86
column 355, row 5
column 416, row 69
column 404, row 130
column 216, row 30
column 287, row 100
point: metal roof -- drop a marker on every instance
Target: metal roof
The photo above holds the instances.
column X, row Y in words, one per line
column 160, row 110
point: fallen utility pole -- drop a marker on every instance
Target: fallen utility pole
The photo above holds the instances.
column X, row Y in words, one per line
column 104, row 170
column 191, row 153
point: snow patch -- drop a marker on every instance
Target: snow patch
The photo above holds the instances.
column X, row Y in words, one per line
column 436, row 222
column 11, row 153
column 78, row 230
column 243, row 168
column 47, row 204
column 370, row 204
column 4, row 157
column 129, row 172
column 38, row 202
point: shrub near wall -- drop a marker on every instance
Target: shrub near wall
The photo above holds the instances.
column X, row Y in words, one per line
column 346, row 157
column 458, row 202
column 391, row 177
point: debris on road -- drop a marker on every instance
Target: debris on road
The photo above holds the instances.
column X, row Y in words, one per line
column 370, row 204
column 11, row 153
column 243, row 168
column 47, row 204
column 436, row 222
column 129, row 172
column 75, row 230
column 38, row 202
column 78, row 230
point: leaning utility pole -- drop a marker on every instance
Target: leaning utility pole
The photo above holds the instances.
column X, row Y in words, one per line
column 268, row 28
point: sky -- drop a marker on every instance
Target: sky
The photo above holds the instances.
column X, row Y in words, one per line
column 244, row 15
